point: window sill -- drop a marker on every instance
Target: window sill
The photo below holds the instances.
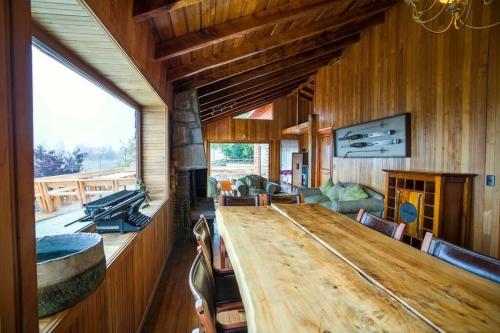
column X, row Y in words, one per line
column 115, row 244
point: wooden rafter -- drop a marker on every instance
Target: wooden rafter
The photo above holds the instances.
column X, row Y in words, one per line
column 147, row 9
column 244, row 97
column 238, row 92
column 243, row 108
column 260, row 83
column 238, row 27
column 215, row 67
column 312, row 60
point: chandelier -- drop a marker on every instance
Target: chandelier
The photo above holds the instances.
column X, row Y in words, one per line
column 425, row 12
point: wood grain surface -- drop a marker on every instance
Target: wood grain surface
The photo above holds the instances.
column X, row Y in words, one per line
column 289, row 282
column 451, row 298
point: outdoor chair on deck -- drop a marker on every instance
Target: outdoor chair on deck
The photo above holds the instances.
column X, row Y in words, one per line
column 234, row 201
column 225, row 282
column 476, row 263
column 207, row 308
column 266, row 199
column 388, row 228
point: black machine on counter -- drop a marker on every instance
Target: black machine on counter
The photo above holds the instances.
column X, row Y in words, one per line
column 118, row 212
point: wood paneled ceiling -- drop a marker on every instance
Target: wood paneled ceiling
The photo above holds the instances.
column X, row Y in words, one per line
column 240, row 54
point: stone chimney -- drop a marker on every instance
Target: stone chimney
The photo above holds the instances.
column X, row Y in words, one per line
column 188, row 150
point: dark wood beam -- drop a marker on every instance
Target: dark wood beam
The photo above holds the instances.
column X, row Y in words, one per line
column 242, row 91
column 246, row 101
column 208, row 69
column 286, row 37
column 244, row 97
column 260, row 82
column 243, row 108
column 274, row 70
column 147, row 9
column 238, row 27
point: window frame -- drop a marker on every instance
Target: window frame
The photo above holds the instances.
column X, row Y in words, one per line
column 59, row 53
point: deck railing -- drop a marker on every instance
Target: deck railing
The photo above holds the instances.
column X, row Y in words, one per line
column 52, row 192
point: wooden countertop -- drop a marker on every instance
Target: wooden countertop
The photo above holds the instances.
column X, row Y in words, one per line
column 114, row 245
column 289, row 282
column 325, row 272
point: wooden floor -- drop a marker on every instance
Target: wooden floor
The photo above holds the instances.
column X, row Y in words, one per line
column 172, row 309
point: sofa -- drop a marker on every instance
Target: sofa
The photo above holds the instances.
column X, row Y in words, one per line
column 254, row 184
column 328, row 196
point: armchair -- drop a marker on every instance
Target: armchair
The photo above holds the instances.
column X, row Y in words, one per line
column 254, row 185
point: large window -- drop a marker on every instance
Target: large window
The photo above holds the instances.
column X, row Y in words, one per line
column 230, row 161
column 84, row 139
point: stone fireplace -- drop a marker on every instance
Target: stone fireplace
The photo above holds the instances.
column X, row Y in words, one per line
column 188, row 161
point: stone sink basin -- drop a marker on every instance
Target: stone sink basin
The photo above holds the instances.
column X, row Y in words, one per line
column 69, row 268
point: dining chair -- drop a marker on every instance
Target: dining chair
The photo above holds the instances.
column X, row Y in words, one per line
column 267, row 199
column 203, row 290
column 476, row 263
column 226, row 200
column 225, row 282
column 234, row 201
column 388, row 228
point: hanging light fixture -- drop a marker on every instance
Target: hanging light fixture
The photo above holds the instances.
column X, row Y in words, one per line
column 425, row 12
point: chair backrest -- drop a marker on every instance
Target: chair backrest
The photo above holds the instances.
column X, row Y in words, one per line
column 267, row 199
column 203, row 291
column 239, row 201
column 476, row 263
column 202, row 234
column 379, row 224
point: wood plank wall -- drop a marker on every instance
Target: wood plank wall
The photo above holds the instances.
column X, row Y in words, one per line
column 449, row 83
column 239, row 130
column 121, row 302
column 155, row 151
column 135, row 39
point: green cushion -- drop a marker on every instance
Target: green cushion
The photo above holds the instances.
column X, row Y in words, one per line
column 333, row 193
column 326, row 187
column 256, row 191
column 316, row 199
column 351, row 193
column 254, row 181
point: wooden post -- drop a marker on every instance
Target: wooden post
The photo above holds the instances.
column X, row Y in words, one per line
column 312, row 138
column 18, row 286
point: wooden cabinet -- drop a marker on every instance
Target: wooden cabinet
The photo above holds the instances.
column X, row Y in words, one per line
column 430, row 202
column 299, row 169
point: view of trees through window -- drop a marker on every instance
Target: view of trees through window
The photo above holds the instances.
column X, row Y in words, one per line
column 234, row 160
column 82, row 134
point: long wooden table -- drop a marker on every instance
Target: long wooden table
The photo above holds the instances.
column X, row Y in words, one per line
column 305, row 268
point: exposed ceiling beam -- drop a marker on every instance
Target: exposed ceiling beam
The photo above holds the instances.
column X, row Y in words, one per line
column 244, row 97
column 147, row 9
column 305, row 60
column 283, row 38
column 238, row 27
column 259, row 85
column 244, row 108
column 257, row 98
column 209, row 69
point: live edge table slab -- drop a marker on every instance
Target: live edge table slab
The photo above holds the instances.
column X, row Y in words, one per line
column 303, row 268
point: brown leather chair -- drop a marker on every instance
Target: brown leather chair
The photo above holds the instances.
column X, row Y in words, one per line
column 239, row 201
column 203, row 290
column 388, row 228
column 234, row 201
column 266, row 199
column 476, row 263
column 225, row 282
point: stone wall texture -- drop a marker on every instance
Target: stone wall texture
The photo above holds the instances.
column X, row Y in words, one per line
column 188, row 151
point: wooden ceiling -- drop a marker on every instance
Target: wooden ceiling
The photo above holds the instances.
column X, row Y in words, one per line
column 242, row 54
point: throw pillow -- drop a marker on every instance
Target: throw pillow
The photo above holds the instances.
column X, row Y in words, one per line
column 333, row 193
column 326, row 187
column 255, row 182
column 351, row 193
